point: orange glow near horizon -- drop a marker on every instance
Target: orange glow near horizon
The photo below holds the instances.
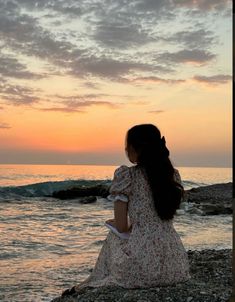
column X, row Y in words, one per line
column 102, row 128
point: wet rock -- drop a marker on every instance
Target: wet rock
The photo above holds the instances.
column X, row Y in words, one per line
column 215, row 209
column 209, row 200
column 97, row 190
column 217, row 193
column 88, row 199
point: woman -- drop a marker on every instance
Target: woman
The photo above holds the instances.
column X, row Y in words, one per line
column 146, row 197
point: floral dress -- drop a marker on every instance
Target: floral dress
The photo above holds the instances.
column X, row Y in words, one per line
column 153, row 255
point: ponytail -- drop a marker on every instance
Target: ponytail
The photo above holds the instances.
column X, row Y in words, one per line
column 153, row 157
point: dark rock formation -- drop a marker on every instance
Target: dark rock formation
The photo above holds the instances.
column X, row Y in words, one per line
column 210, row 200
column 88, row 199
column 97, row 190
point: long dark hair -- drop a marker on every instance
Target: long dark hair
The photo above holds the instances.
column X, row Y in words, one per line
column 153, row 157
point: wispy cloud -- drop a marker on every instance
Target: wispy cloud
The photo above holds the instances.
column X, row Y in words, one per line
column 199, row 39
column 156, row 111
column 111, row 68
column 17, row 94
column 153, row 79
column 4, row 126
column 207, row 5
column 12, row 68
column 62, row 109
column 78, row 103
column 106, row 26
column 213, row 80
column 194, row 56
column 121, row 35
column 113, row 41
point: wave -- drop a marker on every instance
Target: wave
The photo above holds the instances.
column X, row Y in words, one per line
column 50, row 187
column 188, row 184
column 63, row 188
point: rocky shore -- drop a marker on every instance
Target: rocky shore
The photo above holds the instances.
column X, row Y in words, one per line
column 208, row 200
column 211, row 281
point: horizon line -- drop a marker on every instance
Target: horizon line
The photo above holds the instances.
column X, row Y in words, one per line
column 94, row 164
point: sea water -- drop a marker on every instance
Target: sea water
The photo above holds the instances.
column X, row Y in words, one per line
column 48, row 245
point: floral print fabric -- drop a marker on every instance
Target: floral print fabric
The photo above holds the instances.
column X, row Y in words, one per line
column 153, row 255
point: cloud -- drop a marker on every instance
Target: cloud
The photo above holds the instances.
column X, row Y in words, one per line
column 10, row 67
column 4, row 126
column 156, row 111
column 73, row 8
column 151, row 5
column 207, row 5
column 73, row 104
column 121, row 35
column 70, row 8
column 18, row 95
column 153, row 79
column 167, row 8
column 91, row 85
column 213, row 80
column 194, row 56
column 108, row 42
column 62, row 109
column 200, row 38
column 81, row 96
column 23, row 34
column 111, row 68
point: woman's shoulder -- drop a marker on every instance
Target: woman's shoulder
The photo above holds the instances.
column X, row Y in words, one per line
column 122, row 181
column 122, row 172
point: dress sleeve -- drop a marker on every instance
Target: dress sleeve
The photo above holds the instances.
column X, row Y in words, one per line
column 121, row 185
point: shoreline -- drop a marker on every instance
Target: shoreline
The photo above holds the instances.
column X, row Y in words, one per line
column 211, row 281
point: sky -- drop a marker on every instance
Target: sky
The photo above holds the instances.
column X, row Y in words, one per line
column 76, row 75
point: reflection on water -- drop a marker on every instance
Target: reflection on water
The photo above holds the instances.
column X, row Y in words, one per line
column 49, row 246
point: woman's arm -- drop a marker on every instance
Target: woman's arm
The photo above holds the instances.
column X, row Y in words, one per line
column 120, row 221
column 120, row 216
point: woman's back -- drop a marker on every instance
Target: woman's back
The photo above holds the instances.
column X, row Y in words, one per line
column 135, row 184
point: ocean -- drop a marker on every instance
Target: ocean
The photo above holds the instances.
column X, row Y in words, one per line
column 48, row 245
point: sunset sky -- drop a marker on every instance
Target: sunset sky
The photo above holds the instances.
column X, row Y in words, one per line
column 76, row 75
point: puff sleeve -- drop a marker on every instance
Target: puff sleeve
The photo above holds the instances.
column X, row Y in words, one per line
column 121, row 185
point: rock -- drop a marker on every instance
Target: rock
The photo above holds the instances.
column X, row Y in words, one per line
column 217, row 193
column 88, row 199
column 97, row 190
column 209, row 200
column 215, row 209
column 211, row 281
